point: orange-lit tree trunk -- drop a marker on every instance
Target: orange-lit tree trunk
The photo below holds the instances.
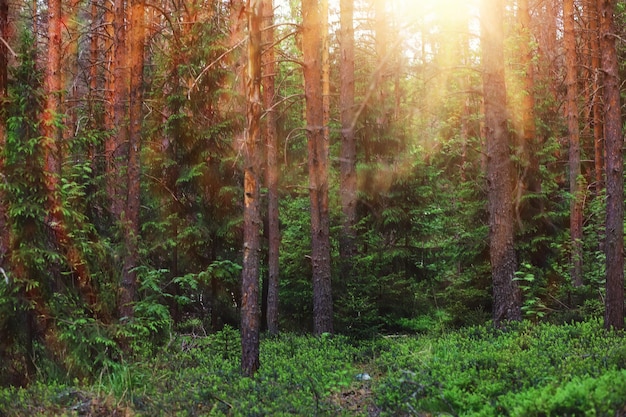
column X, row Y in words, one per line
column 506, row 294
column 135, row 117
column 272, row 173
column 312, row 44
column 117, row 141
column 576, row 213
column 614, row 243
column 348, row 180
column 250, row 315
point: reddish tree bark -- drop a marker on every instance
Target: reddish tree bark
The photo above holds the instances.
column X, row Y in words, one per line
column 135, row 117
column 614, row 244
column 117, row 142
column 576, row 213
column 250, row 314
column 506, row 294
column 318, row 167
column 272, row 172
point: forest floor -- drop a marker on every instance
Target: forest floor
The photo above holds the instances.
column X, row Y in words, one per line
column 526, row 370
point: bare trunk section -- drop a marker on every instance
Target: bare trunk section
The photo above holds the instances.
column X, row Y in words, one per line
column 250, row 314
column 576, row 213
column 272, row 171
column 506, row 294
column 598, row 129
column 614, row 301
column 312, row 44
column 135, row 116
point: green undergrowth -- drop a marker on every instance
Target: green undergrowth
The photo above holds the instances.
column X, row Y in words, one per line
column 522, row 370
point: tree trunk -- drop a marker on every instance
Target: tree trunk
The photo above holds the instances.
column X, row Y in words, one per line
column 4, row 85
column 318, row 167
column 506, row 294
column 135, row 118
column 272, row 172
column 614, row 246
column 117, row 141
column 348, row 179
column 598, row 129
column 250, row 322
column 576, row 214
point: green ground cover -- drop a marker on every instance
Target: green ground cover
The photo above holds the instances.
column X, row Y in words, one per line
column 523, row 370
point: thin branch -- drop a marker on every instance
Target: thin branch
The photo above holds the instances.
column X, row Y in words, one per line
column 208, row 67
column 8, row 47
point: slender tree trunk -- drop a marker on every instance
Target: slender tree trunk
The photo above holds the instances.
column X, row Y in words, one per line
column 576, row 214
column 506, row 294
column 312, row 44
column 51, row 137
column 531, row 177
column 135, row 117
column 272, row 172
column 4, row 85
column 116, row 145
column 110, row 26
column 528, row 102
column 250, row 315
column 598, row 129
column 93, row 59
column 614, row 299
column 348, row 179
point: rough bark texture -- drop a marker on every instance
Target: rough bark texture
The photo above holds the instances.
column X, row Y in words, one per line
column 506, row 294
column 318, row 167
column 250, row 314
column 272, row 172
column 348, row 179
column 135, row 117
column 576, row 213
column 614, row 299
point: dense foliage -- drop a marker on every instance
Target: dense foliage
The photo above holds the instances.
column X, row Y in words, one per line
column 523, row 370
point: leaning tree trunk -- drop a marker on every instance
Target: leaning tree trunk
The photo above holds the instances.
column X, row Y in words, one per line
column 506, row 294
column 318, row 167
column 250, row 314
column 614, row 244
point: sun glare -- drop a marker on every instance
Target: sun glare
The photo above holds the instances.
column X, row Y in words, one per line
column 410, row 11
